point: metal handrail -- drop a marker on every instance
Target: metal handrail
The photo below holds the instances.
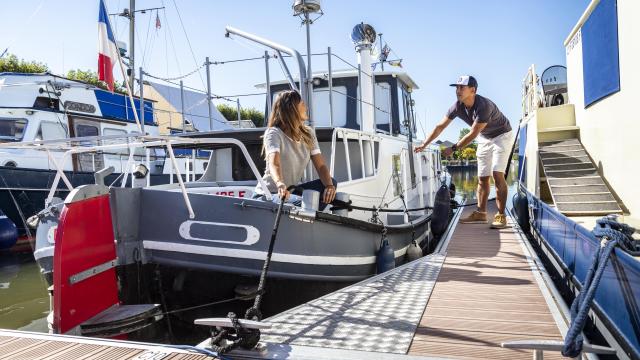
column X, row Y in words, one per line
column 305, row 91
column 144, row 142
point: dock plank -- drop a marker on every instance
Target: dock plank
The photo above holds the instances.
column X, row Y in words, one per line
column 485, row 295
column 26, row 345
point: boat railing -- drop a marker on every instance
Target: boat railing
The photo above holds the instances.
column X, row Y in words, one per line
column 130, row 141
column 369, row 168
column 530, row 92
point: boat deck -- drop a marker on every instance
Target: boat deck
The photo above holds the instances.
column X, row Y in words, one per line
column 28, row 345
column 481, row 288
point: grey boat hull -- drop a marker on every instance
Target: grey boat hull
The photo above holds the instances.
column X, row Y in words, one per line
column 231, row 235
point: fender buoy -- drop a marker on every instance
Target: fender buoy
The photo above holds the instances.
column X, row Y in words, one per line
column 521, row 207
column 441, row 210
column 8, row 232
column 413, row 252
column 385, row 260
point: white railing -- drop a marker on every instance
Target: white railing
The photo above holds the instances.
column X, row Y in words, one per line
column 531, row 98
column 347, row 134
column 130, row 142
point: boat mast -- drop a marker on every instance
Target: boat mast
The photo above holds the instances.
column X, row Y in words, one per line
column 132, row 37
column 303, row 8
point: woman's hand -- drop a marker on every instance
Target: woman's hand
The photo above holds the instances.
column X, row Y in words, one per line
column 329, row 194
column 282, row 191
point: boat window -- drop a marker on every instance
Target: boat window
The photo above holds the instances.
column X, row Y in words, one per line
column 12, row 129
column 43, row 102
column 396, row 168
column 321, row 106
column 403, row 113
column 115, row 153
column 50, row 130
column 383, row 103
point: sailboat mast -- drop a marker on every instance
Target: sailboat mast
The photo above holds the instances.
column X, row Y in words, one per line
column 132, row 72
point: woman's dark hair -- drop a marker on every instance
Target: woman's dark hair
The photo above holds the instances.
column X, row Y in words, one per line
column 285, row 115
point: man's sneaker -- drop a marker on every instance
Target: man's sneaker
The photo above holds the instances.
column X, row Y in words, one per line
column 475, row 217
column 499, row 221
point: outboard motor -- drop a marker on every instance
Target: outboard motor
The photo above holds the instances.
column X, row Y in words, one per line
column 8, row 232
column 441, row 211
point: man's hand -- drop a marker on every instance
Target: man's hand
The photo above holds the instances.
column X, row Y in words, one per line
column 447, row 152
column 420, row 148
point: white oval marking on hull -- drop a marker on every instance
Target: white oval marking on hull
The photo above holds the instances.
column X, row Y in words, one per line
column 253, row 234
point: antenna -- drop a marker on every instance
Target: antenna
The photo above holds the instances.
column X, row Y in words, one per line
column 302, row 9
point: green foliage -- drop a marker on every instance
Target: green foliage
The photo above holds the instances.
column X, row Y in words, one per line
column 231, row 113
column 468, row 154
column 11, row 63
column 463, row 133
column 91, row 77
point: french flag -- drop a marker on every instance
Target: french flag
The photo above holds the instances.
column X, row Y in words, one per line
column 107, row 49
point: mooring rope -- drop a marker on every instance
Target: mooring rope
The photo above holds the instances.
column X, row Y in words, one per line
column 612, row 234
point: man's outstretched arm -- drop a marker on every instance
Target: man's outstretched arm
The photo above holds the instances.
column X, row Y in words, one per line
column 434, row 134
column 475, row 131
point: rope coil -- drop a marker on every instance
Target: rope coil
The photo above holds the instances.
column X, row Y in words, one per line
column 612, row 234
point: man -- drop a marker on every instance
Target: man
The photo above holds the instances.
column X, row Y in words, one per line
column 495, row 139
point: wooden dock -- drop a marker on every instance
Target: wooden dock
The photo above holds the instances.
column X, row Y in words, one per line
column 486, row 294
column 32, row 346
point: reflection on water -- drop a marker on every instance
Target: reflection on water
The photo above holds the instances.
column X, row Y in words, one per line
column 466, row 181
column 24, row 302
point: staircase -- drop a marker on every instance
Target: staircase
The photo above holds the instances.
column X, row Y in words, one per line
column 576, row 187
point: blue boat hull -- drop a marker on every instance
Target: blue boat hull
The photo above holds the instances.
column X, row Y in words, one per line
column 572, row 247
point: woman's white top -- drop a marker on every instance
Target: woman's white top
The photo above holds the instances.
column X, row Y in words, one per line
column 294, row 157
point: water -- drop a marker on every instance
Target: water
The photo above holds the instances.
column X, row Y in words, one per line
column 24, row 302
column 466, row 181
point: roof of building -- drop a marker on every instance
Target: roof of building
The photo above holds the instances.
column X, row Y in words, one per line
column 195, row 107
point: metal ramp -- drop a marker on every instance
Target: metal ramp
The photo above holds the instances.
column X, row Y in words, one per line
column 574, row 182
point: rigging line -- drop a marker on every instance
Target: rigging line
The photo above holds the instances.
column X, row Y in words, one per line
column 188, row 42
column 168, row 79
column 166, row 46
column 25, row 24
column 146, row 43
column 356, row 99
column 173, row 45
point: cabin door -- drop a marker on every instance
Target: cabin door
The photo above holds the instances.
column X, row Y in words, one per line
column 90, row 161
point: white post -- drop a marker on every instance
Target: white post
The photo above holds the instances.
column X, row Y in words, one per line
column 182, row 187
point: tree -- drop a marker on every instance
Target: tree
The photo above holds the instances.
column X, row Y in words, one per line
column 90, row 77
column 11, row 63
column 468, row 154
column 231, row 113
column 463, row 133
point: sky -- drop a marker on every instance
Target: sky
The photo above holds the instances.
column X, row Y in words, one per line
column 494, row 40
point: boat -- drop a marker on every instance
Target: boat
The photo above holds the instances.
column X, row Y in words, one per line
column 577, row 177
column 178, row 239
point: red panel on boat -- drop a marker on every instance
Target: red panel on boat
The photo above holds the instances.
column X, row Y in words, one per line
column 84, row 240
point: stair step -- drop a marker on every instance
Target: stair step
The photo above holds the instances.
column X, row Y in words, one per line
column 570, row 173
column 566, row 160
column 561, row 148
column 575, row 181
column 569, row 166
column 559, row 153
column 582, row 197
column 603, row 208
column 575, row 189
column 559, row 143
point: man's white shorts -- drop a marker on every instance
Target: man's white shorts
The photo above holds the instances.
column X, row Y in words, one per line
column 494, row 154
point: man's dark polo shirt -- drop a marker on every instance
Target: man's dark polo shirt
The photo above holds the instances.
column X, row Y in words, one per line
column 482, row 111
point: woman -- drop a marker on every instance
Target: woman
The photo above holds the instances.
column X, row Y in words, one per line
column 288, row 144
